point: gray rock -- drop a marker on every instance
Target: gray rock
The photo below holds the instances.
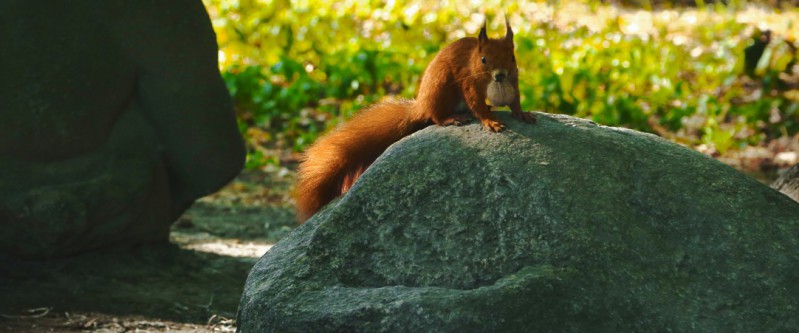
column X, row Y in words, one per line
column 114, row 119
column 564, row 226
column 788, row 182
column 119, row 194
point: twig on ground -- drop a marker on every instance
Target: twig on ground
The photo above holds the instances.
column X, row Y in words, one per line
column 34, row 313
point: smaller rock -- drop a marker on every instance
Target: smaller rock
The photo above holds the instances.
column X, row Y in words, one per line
column 788, row 183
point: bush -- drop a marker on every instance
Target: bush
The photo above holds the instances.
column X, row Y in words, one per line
column 298, row 68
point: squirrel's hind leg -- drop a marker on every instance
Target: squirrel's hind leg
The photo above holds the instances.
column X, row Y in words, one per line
column 457, row 119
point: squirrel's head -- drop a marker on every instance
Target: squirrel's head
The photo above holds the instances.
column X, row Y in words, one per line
column 495, row 56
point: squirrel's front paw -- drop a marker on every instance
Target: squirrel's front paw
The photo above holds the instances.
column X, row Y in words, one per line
column 527, row 117
column 493, row 125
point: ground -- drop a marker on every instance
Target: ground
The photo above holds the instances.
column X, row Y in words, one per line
column 190, row 285
column 194, row 283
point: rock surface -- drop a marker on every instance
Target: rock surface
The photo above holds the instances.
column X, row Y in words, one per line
column 113, row 120
column 563, row 226
column 788, row 183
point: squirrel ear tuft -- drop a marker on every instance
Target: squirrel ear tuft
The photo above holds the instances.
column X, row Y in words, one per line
column 483, row 37
column 508, row 31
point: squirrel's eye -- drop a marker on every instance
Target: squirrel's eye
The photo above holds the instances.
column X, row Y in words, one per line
column 513, row 58
column 483, row 59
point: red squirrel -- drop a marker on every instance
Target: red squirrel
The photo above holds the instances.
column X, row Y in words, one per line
column 469, row 70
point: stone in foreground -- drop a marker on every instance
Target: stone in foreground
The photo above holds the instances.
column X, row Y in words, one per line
column 563, row 226
column 114, row 119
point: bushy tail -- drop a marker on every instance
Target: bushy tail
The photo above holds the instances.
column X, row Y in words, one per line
column 332, row 164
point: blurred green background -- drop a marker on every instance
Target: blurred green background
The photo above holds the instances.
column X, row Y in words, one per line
column 713, row 76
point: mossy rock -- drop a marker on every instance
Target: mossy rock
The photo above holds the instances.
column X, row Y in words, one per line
column 119, row 194
column 562, row 226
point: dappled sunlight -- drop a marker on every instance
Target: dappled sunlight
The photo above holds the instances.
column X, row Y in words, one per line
column 233, row 249
column 364, row 23
column 296, row 70
column 224, row 247
column 103, row 322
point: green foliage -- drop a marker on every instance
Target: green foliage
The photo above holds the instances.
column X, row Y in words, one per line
column 298, row 68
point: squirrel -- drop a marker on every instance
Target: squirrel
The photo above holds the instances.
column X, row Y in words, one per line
column 469, row 70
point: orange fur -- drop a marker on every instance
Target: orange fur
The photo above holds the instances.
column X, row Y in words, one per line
column 336, row 160
column 457, row 74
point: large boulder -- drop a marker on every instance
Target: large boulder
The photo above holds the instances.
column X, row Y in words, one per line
column 561, row 226
column 114, row 119
column 788, row 182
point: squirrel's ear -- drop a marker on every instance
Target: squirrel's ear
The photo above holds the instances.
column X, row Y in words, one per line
column 483, row 37
column 508, row 31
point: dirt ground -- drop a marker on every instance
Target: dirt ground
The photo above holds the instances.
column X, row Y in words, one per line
column 190, row 285
column 194, row 283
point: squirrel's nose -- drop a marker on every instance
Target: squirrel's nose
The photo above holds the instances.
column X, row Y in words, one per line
column 499, row 77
